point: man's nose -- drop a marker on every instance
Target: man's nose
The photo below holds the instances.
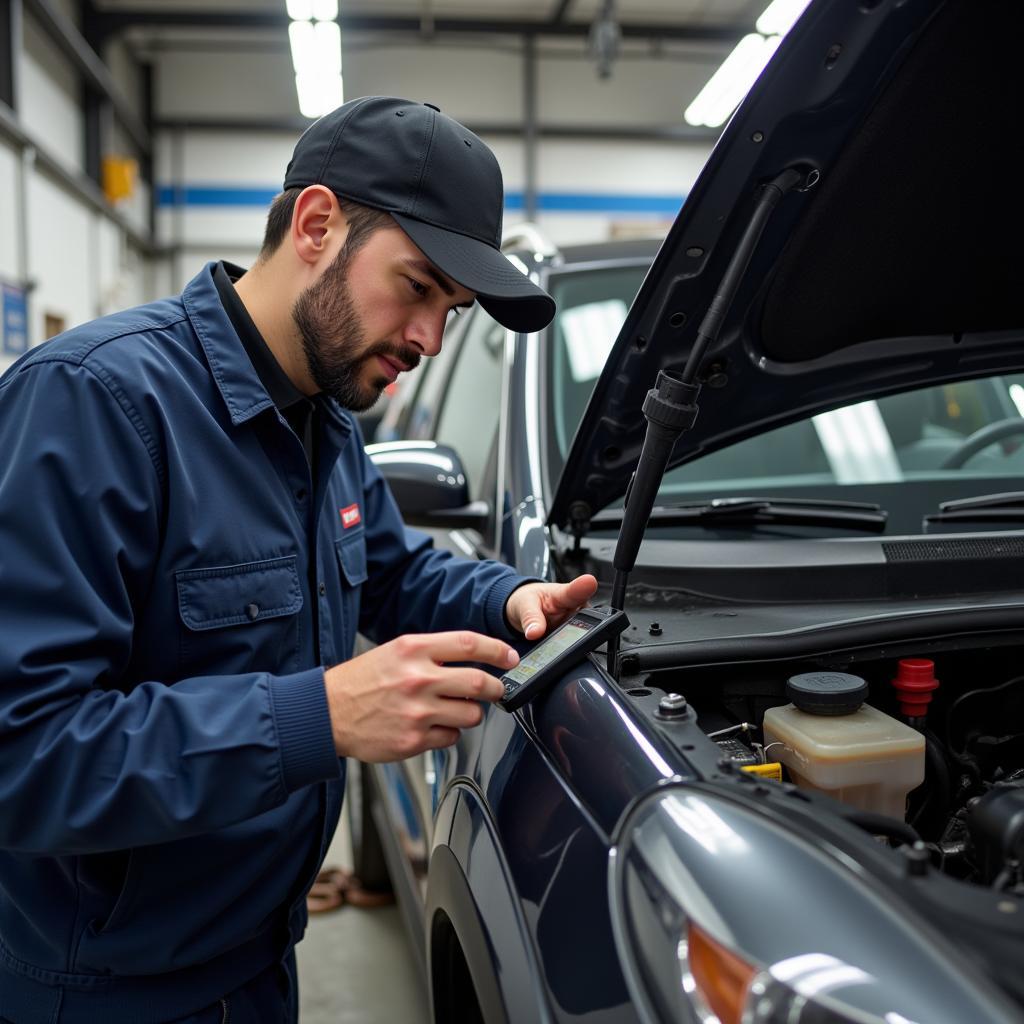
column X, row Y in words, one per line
column 426, row 334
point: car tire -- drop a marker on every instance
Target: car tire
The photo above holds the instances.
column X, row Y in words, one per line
column 368, row 863
column 453, row 994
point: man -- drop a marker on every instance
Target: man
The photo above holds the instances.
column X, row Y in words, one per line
column 189, row 532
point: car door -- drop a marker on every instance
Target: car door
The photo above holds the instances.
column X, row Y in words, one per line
column 456, row 402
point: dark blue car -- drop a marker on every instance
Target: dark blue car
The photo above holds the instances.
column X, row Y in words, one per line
column 794, row 791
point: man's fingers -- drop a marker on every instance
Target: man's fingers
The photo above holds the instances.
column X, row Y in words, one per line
column 438, row 736
column 548, row 604
column 577, row 592
column 465, row 645
column 470, row 683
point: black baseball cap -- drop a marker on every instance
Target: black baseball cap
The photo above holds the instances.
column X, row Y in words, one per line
column 439, row 181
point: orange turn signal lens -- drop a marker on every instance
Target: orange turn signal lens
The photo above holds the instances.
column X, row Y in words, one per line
column 721, row 977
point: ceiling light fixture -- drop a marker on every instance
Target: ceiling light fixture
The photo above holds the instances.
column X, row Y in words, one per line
column 316, row 55
column 605, row 39
column 725, row 89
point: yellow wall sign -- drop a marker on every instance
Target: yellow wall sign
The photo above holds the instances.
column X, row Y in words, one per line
column 120, row 173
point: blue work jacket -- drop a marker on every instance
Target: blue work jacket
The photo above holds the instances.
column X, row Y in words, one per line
column 168, row 779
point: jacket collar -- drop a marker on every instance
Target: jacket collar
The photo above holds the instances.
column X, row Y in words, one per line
column 237, row 380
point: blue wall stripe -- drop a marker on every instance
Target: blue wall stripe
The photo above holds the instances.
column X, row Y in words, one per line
column 547, row 202
column 213, row 195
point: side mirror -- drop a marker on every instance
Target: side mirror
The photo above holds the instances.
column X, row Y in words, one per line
column 429, row 484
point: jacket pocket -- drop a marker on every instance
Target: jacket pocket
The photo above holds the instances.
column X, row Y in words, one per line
column 125, row 901
column 240, row 618
column 351, row 553
column 229, row 595
column 352, row 558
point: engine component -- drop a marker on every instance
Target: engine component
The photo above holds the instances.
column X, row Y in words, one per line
column 831, row 742
column 736, row 753
column 827, row 693
column 996, row 826
column 915, row 680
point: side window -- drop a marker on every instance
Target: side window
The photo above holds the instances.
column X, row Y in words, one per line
column 470, row 407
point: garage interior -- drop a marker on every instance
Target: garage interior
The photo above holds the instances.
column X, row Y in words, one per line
column 140, row 139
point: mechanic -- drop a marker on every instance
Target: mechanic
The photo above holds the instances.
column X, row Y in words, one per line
column 190, row 531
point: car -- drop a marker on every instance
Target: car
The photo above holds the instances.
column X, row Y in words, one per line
column 787, row 441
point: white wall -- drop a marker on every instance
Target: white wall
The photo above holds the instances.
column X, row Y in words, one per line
column 79, row 263
column 9, row 157
column 49, row 96
column 61, row 239
column 225, row 85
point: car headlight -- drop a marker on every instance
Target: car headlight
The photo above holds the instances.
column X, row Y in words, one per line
column 721, row 915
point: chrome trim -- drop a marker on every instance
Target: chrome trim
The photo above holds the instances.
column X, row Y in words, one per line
column 528, row 235
column 502, row 454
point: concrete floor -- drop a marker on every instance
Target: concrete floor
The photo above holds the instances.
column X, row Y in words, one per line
column 356, row 966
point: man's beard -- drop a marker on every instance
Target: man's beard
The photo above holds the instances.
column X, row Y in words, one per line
column 334, row 340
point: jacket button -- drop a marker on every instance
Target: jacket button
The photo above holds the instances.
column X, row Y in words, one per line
column 252, row 610
column 322, row 589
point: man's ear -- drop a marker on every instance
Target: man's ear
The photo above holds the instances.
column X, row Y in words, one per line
column 319, row 226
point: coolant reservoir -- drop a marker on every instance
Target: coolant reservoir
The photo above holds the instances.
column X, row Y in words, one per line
column 831, row 741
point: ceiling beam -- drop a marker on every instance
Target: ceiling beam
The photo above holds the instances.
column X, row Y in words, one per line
column 297, row 125
column 112, row 22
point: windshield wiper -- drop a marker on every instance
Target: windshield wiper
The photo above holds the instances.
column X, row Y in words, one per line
column 849, row 515
column 1007, row 507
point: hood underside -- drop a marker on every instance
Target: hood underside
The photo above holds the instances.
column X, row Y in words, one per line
column 900, row 268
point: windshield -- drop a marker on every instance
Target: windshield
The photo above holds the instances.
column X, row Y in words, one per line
column 928, row 439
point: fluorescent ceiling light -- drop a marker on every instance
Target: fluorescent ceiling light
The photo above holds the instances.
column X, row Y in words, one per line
column 732, row 81
column 300, row 10
column 325, row 10
column 316, row 47
column 319, row 94
column 316, row 57
column 779, row 16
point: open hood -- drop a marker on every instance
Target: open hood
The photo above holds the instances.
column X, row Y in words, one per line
column 899, row 267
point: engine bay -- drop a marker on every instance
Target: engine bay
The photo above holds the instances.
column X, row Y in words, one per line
column 965, row 815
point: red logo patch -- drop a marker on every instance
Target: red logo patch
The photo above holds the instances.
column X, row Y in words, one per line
column 350, row 516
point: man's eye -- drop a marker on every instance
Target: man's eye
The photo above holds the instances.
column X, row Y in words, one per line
column 417, row 286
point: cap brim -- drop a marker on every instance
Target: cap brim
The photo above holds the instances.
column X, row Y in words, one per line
column 501, row 287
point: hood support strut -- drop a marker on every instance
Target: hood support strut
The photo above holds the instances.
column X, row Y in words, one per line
column 671, row 405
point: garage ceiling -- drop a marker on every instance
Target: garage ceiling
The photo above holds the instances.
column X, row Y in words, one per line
column 718, row 22
column 693, row 34
column 736, row 13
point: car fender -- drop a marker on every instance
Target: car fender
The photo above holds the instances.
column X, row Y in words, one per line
column 470, row 883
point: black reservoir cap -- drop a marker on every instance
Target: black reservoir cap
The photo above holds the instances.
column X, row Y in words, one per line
column 827, row 693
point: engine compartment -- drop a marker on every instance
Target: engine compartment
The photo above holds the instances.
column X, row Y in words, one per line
column 967, row 816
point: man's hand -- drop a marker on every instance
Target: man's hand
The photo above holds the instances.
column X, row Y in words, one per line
column 401, row 698
column 533, row 607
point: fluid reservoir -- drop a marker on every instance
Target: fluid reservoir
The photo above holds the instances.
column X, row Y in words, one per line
column 831, row 741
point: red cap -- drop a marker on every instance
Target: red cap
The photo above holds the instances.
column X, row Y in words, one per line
column 914, row 682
